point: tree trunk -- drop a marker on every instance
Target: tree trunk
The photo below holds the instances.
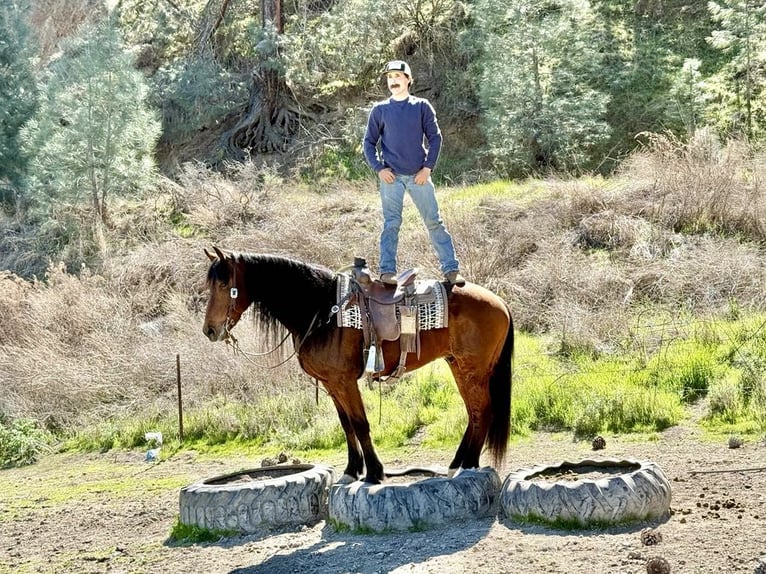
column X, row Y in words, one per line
column 269, row 119
column 271, row 11
column 212, row 17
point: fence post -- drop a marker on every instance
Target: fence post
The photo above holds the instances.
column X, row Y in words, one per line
column 180, row 400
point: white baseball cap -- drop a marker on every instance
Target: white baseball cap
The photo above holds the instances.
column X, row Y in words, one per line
column 398, row 66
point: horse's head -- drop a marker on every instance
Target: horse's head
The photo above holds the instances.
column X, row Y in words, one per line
column 227, row 299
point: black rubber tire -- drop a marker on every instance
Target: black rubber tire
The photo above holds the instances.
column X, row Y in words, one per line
column 242, row 502
column 639, row 491
column 361, row 506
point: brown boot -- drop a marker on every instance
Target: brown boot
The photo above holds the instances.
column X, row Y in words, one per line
column 388, row 278
column 455, row 278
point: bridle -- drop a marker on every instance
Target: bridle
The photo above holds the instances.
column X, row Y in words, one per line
column 229, row 323
column 232, row 340
column 251, row 357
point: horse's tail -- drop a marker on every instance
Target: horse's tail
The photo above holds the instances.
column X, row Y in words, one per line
column 500, row 398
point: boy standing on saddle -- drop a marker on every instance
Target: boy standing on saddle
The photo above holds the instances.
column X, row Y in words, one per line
column 401, row 124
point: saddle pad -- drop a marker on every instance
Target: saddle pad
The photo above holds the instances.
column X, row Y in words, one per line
column 431, row 315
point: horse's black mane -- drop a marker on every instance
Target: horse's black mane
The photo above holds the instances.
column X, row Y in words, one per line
column 316, row 275
column 284, row 292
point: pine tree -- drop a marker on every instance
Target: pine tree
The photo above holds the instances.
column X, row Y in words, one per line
column 93, row 136
column 90, row 142
column 738, row 89
column 687, row 91
column 540, row 111
column 18, row 95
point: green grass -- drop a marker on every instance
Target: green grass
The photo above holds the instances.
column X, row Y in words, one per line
column 187, row 534
column 687, row 368
column 591, row 397
column 427, row 399
column 58, row 490
column 637, row 391
column 640, row 391
column 473, row 195
column 571, row 524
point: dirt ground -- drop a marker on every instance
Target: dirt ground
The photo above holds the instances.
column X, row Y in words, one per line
column 113, row 513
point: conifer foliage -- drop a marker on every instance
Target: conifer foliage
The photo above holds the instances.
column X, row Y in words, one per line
column 541, row 112
column 93, row 136
column 738, row 88
column 18, row 95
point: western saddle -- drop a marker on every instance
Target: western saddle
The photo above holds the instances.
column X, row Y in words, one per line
column 390, row 312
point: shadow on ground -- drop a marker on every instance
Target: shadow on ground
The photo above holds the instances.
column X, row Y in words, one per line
column 368, row 553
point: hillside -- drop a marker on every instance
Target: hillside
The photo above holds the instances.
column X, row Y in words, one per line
column 595, row 268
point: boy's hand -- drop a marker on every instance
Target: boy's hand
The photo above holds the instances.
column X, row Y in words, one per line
column 422, row 176
column 386, row 175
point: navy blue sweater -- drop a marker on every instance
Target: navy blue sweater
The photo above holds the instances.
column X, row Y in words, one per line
column 403, row 128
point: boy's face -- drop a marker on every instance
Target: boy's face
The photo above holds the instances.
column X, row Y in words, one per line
column 398, row 83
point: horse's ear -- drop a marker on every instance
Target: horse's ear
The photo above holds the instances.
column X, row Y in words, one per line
column 209, row 255
column 219, row 253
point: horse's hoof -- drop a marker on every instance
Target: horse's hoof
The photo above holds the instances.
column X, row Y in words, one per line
column 373, row 480
column 451, row 472
column 346, row 479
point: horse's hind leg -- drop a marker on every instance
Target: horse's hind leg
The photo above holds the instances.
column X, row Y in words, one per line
column 457, row 462
column 475, row 394
column 461, row 456
column 469, row 451
column 355, row 464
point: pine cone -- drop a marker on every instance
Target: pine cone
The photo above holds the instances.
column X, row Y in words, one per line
column 650, row 537
column 657, row 565
column 598, row 443
column 735, row 442
column 269, row 462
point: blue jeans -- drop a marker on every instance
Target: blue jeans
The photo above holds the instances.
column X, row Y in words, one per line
column 424, row 198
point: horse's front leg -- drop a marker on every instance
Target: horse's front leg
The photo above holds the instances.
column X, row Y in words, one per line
column 350, row 407
column 355, row 464
column 375, row 474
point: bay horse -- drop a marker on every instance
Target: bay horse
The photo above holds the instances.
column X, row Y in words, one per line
column 302, row 298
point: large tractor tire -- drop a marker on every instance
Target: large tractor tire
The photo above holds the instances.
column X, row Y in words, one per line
column 249, row 500
column 432, row 501
column 590, row 492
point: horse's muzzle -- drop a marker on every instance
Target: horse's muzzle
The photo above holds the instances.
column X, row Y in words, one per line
column 214, row 334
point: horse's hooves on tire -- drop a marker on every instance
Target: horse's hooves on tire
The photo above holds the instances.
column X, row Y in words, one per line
column 414, row 505
column 590, row 492
column 249, row 500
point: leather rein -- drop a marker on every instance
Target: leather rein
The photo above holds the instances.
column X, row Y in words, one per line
column 232, row 340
